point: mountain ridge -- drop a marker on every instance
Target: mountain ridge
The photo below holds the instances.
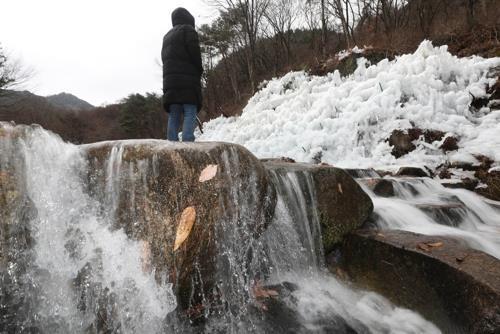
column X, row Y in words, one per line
column 68, row 101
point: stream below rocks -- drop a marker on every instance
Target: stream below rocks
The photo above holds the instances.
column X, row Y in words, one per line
column 423, row 205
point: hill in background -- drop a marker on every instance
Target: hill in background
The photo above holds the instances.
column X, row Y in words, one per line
column 75, row 120
column 69, row 102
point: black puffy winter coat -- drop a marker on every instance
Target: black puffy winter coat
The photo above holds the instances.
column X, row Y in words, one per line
column 182, row 67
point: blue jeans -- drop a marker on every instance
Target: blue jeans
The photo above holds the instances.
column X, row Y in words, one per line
column 174, row 119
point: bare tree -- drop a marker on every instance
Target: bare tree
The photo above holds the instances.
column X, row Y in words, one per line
column 394, row 14
column 312, row 19
column 323, row 28
column 281, row 16
column 251, row 13
column 427, row 11
column 471, row 17
column 13, row 73
column 344, row 13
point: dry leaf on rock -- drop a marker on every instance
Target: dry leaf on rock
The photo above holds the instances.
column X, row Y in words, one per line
column 185, row 226
column 340, row 188
column 424, row 247
column 427, row 246
column 208, row 173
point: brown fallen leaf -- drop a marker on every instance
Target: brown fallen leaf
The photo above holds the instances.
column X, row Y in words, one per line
column 428, row 246
column 208, row 173
column 340, row 188
column 185, row 225
column 423, row 247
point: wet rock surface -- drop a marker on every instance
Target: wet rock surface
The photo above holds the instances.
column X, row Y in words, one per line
column 412, row 171
column 450, row 284
column 403, row 140
column 382, row 187
column 491, row 180
column 465, row 183
column 362, row 173
column 481, row 178
column 16, row 241
column 341, row 203
column 402, row 143
column 151, row 183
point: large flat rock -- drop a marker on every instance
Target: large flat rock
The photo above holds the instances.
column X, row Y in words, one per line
column 150, row 184
column 456, row 287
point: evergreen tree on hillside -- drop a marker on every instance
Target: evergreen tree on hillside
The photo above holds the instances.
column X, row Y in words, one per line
column 141, row 116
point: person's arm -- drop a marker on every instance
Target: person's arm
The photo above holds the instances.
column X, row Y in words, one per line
column 193, row 48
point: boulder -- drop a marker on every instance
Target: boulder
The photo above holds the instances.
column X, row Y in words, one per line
column 449, row 214
column 465, row 183
column 478, row 102
column 431, row 136
column 342, row 205
column 449, row 144
column 381, row 187
column 412, row 171
column 196, row 208
column 401, row 142
column 358, row 173
column 456, row 287
column 491, row 180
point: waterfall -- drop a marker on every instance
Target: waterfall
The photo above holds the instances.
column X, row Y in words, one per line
column 423, row 205
column 80, row 275
column 324, row 303
column 68, row 266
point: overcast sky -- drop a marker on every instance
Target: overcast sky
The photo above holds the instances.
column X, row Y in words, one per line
column 98, row 50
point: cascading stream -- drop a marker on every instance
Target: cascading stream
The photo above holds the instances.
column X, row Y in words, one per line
column 83, row 275
column 323, row 303
column 73, row 270
column 423, row 205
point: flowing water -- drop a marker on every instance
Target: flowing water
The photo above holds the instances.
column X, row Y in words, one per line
column 424, row 206
column 66, row 268
column 45, row 286
column 324, row 304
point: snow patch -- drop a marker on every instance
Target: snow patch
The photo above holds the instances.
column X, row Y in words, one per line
column 346, row 121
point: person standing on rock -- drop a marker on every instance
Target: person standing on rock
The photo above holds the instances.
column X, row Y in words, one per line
column 182, row 70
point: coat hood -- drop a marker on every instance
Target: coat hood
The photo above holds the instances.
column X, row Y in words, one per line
column 182, row 16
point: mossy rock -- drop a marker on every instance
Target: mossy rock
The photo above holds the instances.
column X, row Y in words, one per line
column 342, row 205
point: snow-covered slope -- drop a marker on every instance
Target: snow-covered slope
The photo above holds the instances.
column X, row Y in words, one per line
column 346, row 121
